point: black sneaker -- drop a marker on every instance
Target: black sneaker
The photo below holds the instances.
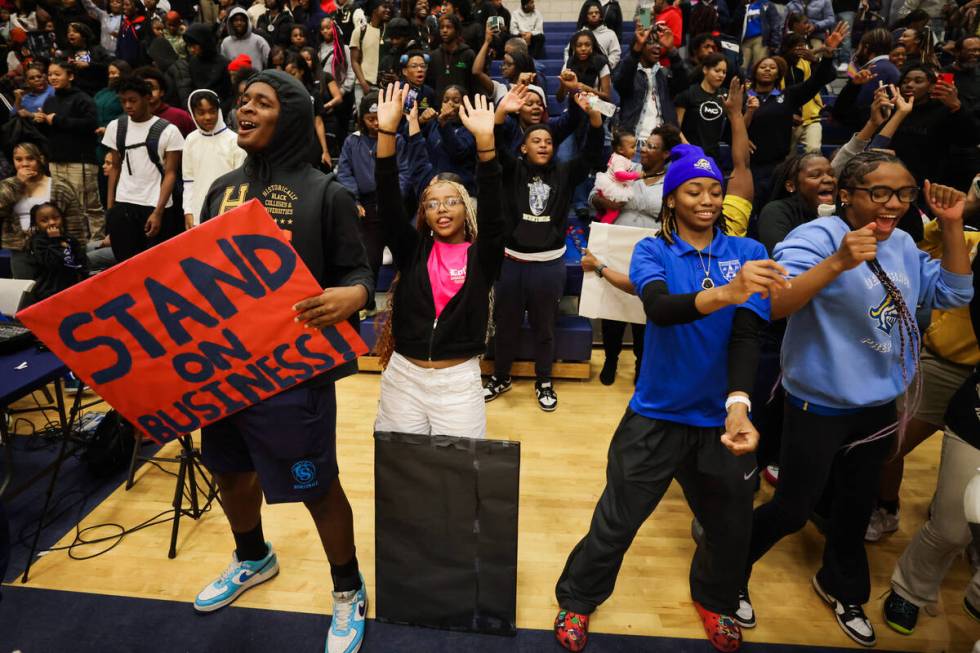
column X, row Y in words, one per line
column 970, row 610
column 745, row 615
column 900, row 615
column 547, row 399
column 608, row 374
column 495, row 387
column 850, row 617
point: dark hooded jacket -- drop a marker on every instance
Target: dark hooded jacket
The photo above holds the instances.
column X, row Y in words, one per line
column 71, row 135
column 210, row 70
column 319, row 215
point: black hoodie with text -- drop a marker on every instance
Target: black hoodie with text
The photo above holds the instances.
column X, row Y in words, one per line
column 318, row 215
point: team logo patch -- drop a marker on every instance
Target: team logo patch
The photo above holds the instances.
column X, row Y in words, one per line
column 538, row 193
column 304, row 473
column 703, row 164
column 885, row 314
column 729, row 268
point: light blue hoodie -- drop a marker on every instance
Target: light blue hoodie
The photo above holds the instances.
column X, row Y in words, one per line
column 842, row 349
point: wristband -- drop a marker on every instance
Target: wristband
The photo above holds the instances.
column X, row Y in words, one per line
column 737, row 399
column 492, row 149
column 599, row 269
column 386, row 132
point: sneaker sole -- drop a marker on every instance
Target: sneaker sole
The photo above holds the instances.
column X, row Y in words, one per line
column 487, row 400
column 258, row 579
column 830, row 602
column 744, row 624
column 548, row 410
column 901, row 630
column 970, row 611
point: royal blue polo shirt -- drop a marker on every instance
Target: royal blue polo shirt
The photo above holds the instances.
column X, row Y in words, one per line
column 684, row 375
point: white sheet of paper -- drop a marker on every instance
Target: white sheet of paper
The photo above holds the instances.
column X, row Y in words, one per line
column 613, row 245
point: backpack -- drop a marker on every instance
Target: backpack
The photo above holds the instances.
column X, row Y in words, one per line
column 152, row 142
column 111, row 446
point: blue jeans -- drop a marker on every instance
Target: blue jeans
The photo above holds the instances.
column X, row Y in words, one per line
column 846, row 49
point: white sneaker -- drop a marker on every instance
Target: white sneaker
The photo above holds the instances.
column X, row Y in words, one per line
column 347, row 625
column 881, row 523
column 850, row 618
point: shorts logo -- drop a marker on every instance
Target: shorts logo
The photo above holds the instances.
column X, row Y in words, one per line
column 729, row 268
column 885, row 314
column 304, row 473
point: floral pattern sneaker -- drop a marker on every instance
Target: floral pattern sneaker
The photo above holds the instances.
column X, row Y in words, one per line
column 572, row 630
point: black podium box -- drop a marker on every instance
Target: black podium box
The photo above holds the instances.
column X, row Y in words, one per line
column 446, row 532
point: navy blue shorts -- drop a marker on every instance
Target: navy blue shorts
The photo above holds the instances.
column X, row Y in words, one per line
column 288, row 439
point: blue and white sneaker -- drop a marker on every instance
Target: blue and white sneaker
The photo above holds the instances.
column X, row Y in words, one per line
column 349, row 616
column 238, row 577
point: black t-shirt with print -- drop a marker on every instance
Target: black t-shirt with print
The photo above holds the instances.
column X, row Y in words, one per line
column 704, row 118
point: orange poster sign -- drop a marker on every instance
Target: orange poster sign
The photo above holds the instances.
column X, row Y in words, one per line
column 196, row 328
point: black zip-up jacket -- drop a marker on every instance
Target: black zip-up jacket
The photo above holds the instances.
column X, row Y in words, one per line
column 461, row 329
column 536, row 206
column 71, row 136
column 58, row 263
column 320, row 214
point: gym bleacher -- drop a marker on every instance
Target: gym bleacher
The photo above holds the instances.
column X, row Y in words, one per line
column 573, row 333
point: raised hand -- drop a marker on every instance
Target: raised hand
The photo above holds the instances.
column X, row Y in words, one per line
column 736, row 95
column 477, row 117
column 880, row 107
column 762, row 277
column 857, row 247
column 666, row 39
column 568, row 79
column 836, row 37
column 414, row 127
column 391, row 102
column 863, row 76
column 640, row 37
column 947, row 94
column 514, row 100
column 946, row 203
column 902, row 104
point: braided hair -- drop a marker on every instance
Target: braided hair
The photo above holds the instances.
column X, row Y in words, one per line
column 386, row 342
column 853, row 174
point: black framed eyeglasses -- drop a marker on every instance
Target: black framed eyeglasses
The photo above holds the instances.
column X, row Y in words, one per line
column 881, row 194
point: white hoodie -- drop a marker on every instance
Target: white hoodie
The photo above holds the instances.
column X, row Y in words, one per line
column 207, row 156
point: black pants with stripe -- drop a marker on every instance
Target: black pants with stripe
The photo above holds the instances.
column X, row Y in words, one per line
column 814, row 456
column 645, row 455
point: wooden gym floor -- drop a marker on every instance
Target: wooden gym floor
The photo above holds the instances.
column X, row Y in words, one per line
column 563, row 472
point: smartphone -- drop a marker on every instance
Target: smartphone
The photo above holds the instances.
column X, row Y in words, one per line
column 496, row 23
column 410, row 99
column 946, row 77
column 644, row 17
column 886, row 111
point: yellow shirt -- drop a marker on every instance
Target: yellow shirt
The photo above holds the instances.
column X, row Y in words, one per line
column 811, row 110
column 950, row 334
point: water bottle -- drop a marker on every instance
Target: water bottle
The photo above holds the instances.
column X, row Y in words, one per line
column 607, row 109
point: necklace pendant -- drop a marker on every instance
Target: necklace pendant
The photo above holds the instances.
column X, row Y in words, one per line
column 707, row 283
